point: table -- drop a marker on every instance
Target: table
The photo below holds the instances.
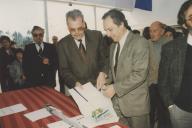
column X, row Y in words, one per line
column 34, row 99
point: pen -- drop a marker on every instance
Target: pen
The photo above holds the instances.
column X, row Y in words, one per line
column 102, row 113
column 64, row 118
column 80, row 94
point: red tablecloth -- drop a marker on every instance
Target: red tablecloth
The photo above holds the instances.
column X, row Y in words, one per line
column 34, row 99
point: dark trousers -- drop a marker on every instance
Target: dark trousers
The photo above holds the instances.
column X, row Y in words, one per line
column 159, row 113
column 7, row 85
column 61, row 84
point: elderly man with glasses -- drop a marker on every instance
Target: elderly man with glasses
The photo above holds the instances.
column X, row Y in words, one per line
column 40, row 61
column 81, row 55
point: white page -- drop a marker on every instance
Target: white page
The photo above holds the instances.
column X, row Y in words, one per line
column 94, row 100
column 86, row 121
column 18, row 108
column 115, row 126
column 59, row 124
column 38, row 114
column 12, row 109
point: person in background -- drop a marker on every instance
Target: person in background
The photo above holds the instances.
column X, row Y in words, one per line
column 170, row 32
column 159, row 112
column 55, row 40
column 6, row 58
column 13, row 45
column 40, row 61
column 146, row 33
column 16, row 70
column 127, row 83
column 136, row 31
column 175, row 72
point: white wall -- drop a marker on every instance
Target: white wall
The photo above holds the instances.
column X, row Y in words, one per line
column 163, row 10
column 21, row 15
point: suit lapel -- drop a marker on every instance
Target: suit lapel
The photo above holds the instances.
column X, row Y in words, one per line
column 74, row 47
column 122, row 54
column 35, row 49
column 89, row 47
column 44, row 48
column 181, row 58
column 124, row 49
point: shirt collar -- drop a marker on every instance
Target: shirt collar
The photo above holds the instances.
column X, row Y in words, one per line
column 83, row 42
column 37, row 46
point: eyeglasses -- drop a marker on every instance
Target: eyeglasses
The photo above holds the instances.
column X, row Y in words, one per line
column 37, row 34
column 189, row 18
column 80, row 29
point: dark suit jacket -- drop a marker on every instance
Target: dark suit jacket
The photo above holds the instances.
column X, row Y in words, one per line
column 35, row 71
column 171, row 69
column 71, row 65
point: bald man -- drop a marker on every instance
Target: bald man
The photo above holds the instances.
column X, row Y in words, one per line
column 158, row 39
column 55, row 40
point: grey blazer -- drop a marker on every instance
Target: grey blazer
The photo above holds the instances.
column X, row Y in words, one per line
column 171, row 69
column 131, row 80
column 71, row 66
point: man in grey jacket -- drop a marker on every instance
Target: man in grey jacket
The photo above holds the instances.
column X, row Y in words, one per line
column 128, row 75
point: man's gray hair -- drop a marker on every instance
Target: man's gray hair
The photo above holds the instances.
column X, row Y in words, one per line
column 73, row 14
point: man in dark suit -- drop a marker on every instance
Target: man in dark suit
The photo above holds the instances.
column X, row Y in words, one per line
column 80, row 53
column 128, row 74
column 175, row 73
column 39, row 61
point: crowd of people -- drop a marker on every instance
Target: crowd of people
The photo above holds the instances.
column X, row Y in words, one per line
column 147, row 76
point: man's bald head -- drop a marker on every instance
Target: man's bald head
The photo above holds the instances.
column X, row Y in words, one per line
column 156, row 30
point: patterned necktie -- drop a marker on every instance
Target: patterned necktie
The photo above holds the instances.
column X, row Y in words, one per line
column 116, row 58
column 82, row 51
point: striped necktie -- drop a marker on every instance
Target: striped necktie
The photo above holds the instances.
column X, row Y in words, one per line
column 82, row 51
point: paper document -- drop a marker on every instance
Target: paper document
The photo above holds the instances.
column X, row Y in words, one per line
column 12, row 109
column 38, row 114
column 86, row 121
column 90, row 101
column 115, row 126
column 59, row 124
column 70, row 121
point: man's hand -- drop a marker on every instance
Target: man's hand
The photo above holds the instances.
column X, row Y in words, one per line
column 170, row 107
column 23, row 77
column 78, row 85
column 101, row 80
column 108, row 91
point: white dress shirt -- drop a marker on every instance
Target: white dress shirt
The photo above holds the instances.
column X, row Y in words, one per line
column 121, row 42
column 83, row 42
column 38, row 47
